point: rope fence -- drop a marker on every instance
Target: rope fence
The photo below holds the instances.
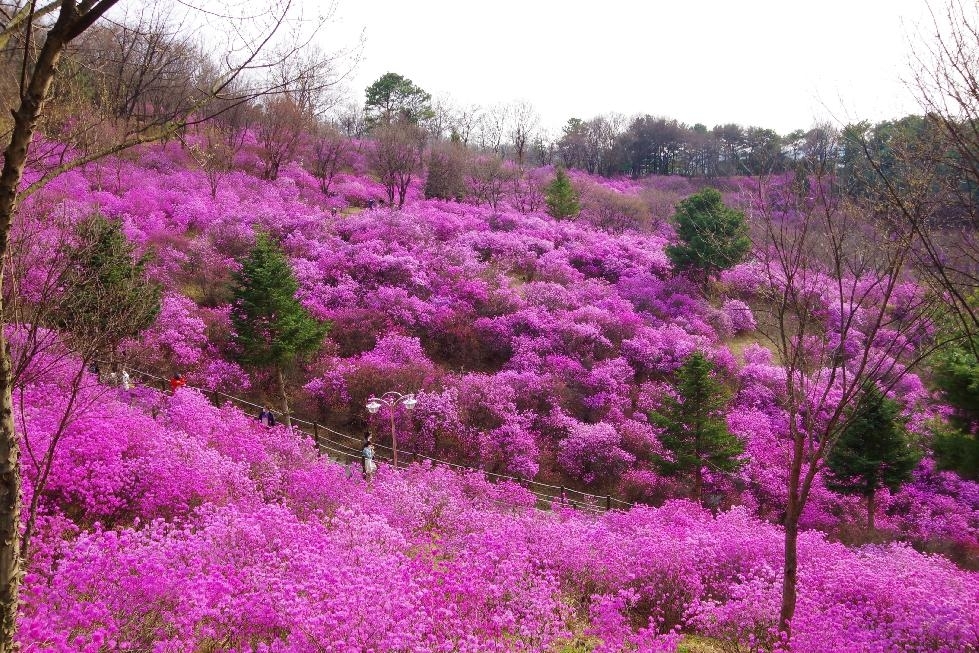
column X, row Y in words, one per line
column 346, row 448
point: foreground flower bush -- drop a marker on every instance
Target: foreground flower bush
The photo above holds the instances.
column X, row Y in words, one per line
column 200, row 529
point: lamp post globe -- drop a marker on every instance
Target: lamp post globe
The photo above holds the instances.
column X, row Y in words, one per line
column 391, row 399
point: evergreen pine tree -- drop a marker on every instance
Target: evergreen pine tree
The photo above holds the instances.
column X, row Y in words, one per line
column 695, row 431
column 106, row 297
column 873, row 452
column 272, row 329
column 956, row 373
column 712, row 236
column 562, row 199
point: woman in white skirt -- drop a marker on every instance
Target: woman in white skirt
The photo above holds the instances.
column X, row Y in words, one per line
column 370, row 467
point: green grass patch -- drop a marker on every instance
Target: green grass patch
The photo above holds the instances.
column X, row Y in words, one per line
column 698, row 644
column 738, row 344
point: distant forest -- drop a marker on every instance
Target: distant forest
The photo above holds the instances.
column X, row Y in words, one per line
column 613, row 144
column 142, row 82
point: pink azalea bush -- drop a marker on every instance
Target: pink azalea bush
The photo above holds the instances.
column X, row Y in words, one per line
column 198, row 527
column 571, row 318
column 536, row 348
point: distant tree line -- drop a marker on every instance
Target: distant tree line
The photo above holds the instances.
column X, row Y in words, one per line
column 639, row 146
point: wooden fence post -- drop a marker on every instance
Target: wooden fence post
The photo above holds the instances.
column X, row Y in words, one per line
column 608, row 502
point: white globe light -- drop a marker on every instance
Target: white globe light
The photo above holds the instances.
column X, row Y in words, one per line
column 373, row 406
column 410, row 402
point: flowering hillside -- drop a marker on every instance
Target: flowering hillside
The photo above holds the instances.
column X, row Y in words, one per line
column 537, row 348
column 201, row 529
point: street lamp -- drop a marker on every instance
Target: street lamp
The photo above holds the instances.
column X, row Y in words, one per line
column 391, row 399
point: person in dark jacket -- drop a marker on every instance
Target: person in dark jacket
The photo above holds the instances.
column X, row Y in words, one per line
column 266, row 417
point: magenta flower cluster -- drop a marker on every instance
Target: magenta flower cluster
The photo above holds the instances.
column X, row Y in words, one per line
column 202, row 529
column 536, row 348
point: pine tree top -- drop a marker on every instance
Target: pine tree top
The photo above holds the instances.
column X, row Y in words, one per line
column 272, row 328
column 874, row 451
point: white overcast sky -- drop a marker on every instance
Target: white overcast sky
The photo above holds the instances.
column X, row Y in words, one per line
column 782, row 64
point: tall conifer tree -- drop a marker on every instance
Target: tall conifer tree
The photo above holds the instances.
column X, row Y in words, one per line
column 712, row 237
column 873, row 452
column 695, row 431
column 562, row 199
column 272, row 329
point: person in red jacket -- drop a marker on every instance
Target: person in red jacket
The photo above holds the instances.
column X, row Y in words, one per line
column 177, row 381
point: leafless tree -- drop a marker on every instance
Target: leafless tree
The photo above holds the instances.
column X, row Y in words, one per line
column 331, row 153
column 544, row 149
column 141, row 66
column 524, row 122
column 349, row 119
column 491, row 128
column 214, row 145
column 280, row 130
column 930, row 184
column 529, row 192
column 40, row 41
column 396, row 157
column 842, row 316
column 612, row 211
column 465, row 122
column 488, row 178
column 441, row 124
column 592, row 145
column 213, row 151
column 310, row 76
column 446, row 175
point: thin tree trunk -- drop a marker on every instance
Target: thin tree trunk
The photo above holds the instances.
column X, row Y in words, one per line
column 871, row 509
column 15, row 157
column 790, row 565
column 285, row 398
column 790, row 569
column 10, row 503
column 698, row 482
column 42, row 477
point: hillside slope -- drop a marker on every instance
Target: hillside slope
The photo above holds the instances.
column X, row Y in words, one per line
column 200, row 529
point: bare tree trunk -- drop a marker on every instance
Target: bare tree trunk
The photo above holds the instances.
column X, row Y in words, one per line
column 790, row 565
column 10, row 502
column 871, row 509
column 285, row 397
column 790, row 569
column 45, row 470
column 25, row 122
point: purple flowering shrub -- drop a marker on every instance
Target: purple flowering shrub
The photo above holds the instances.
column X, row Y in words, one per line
column 199, row 528
column 537, row 348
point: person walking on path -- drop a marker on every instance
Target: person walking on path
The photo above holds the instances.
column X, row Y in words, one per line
column 370, row 467
column 266, row 417
column 124, row 380
column 177, row 381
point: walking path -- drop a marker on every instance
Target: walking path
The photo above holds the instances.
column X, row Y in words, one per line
column 346, row 449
